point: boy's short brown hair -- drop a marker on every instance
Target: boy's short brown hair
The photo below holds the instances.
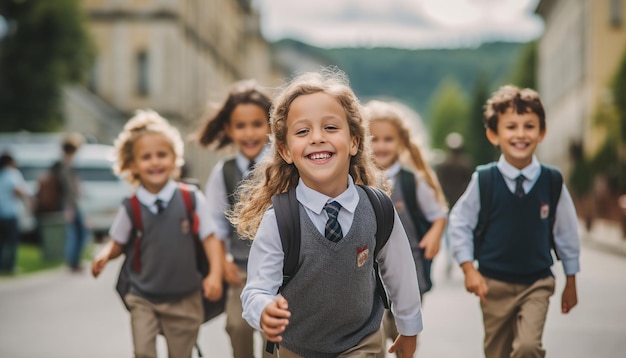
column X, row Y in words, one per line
column 521, row 100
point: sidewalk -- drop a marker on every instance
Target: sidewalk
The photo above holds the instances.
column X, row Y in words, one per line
column 605, row 235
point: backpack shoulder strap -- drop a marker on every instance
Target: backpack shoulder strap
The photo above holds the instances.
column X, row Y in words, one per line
column 556, row 185
column 486, row 173
column 189, row 198
column 232, row 177
column 287, row 211
column 383, row 209
column 135, row 208
column 408, row 184
column 385, row 216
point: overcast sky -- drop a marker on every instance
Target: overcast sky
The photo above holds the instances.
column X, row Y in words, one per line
column 399, row 23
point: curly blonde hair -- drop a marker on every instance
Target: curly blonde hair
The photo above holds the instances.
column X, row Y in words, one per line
column 145, row 122
column 273, row 175
column 400, row 116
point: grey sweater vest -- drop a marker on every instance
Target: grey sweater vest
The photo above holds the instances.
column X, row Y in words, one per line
column 168, row 262
column 332, row 296
column 397, row 196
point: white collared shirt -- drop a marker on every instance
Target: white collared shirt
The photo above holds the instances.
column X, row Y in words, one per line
column 265, row 264
column 464, row 217
column 122, row 225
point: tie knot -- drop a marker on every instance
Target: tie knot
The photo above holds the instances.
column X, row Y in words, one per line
column 520, row 179
column 332, row 209
column 159, row 205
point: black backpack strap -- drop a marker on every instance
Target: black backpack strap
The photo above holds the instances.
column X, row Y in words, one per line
column 486, row 174
column 556, row 185
column 232, row 177
column 385, row 216
column 287, row 211
column 408, row 184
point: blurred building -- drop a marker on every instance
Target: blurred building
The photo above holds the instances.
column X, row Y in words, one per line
column 173, row 56
column 582, row 46
column 579, row 52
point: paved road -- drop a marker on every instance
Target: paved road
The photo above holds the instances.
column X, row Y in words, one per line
column 61, row 315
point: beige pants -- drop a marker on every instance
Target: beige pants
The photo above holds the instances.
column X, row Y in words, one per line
column 371, row 346
column 240, row 333
column 178, row 321
column 514, row 316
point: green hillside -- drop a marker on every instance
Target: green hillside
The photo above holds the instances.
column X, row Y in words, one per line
column 413, row 75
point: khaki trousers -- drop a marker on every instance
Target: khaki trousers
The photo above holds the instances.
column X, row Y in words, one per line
column 371, row 346
column 178, row 321
column 514, row 316
column 240, row 333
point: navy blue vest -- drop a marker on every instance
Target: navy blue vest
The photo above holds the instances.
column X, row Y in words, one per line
column 516, row 245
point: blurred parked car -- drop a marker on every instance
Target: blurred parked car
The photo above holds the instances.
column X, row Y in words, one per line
column 101, row 190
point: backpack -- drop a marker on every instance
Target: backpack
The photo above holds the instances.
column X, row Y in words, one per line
column 49, row 195
column 211, row 308
column 486, row 175
column 408, row 183
column 287, row 210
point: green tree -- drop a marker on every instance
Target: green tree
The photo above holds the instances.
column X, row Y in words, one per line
column 524, row 73
column 448, row 112
column 477, row 145
column 47, row 46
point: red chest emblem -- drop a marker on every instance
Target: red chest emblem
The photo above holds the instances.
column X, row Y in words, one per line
column 361, row 257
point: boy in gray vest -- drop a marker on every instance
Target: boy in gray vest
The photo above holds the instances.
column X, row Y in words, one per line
column 165, row 285
column 513, row 279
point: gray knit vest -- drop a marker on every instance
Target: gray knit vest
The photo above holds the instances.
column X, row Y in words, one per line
column 168, row 262
column 332, row 296
column 397, row 196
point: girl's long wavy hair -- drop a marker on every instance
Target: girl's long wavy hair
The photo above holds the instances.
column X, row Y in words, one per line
column 273, row 175
column 410, row 154
column 213, row 132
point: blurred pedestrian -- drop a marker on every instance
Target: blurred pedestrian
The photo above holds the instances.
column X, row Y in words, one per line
column 416, row 193
column 242, row 122
column 454, row 173
column 331, row 306
column 159, row 280
column 509, row 227
column 76, row 234
column 12, row 190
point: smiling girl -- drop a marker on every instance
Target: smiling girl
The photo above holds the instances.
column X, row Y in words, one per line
column 241, row 122
column 330, row 307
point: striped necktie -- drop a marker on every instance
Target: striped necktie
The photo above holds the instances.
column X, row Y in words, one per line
column 333, row 230
column 519, row 186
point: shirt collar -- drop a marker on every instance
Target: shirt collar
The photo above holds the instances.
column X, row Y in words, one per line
column 147, row 198
column 315, row 200
column 393, row 170
column 243, row 162
column 530, row 172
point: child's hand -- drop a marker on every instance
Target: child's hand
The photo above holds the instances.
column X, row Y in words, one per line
column 431, row 244
column 569, row 299
column 212, row 287
column 474, row 282
column 231, row 274
column 98, row 265
column 275, row 319
column 404, row 346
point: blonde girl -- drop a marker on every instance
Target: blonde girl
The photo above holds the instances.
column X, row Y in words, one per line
column 329, row 307
column 164, row 290
column 242, row 123
column 416, row 193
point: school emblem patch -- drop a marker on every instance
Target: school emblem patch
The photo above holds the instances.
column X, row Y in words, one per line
column 184, row 226
column 361, row 257
column 545, row 210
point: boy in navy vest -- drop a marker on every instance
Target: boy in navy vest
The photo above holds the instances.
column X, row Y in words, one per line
column 513, row 279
